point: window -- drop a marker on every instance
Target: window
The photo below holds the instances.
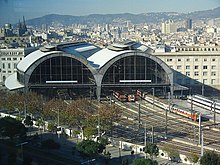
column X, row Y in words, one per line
column 179, row 59
column 9, row 59
column 205, row 59
column 196, row 67
column 169, row 59
column 213, row 73
column 9, row 71
column 204, row 73
column 196, row 73
column 187, row 59
column 213, row 59
column 187, row 73
column 213, row 66
column 3, row 65
column 205, row 67
column 196, row 59
column 187, row 67
column 213, row 81
column 9, row 66
column 14, row 59
column 179, row 67
column 15, row 65
column 20, row 58
column 205, row 81
column 3, row 59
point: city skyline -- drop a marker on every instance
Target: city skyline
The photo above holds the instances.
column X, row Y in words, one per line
column 13, row 10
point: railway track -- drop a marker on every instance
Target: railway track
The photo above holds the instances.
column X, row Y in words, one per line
column 177, row 127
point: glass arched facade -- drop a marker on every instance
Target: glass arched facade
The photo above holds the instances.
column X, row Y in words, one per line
column 137, row 70
column 62, row 70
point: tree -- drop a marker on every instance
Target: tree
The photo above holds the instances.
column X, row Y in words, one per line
column 3, row 98
column 90, row 131
column 78, row 113
column 107, row 156
column 10, row 127
column 51, row 127
column 108, row 115
column 151, row 149
column 33, row 103
column 210, row 158
column 13, row 101
column 193, row 157
column 143, row 161
column 171, row 151
column 28, row 121
column 51, row 109
column 89, row 148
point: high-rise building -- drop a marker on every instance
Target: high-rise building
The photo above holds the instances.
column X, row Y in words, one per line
column 189, row 24
column 168, row 27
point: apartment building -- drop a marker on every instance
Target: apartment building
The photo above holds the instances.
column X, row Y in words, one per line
column 194, row 65
column 9, row 58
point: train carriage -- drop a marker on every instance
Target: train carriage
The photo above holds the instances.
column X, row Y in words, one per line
column 165, row 105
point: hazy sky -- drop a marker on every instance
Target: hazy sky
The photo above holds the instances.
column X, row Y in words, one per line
column 13, row 10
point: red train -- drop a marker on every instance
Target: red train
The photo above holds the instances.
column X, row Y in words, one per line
column 124, row 96
column 165, row 105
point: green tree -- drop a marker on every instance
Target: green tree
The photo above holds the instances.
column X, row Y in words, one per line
column 76, row 133
column 104, row 141
column 171, row 151
column 10, row 127
column 107, row 156
column 193, row 157
column 51, row 127
column 89, row 148
column 143, row 161
column 151, row 149
column 89, row 132
column 210, row 158
column 28, row 121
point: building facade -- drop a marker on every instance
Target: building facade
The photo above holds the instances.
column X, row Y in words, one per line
column 194, row 65
column 85, row 68
column 9, row 58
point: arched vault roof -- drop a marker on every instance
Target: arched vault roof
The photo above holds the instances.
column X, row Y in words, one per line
column 95, row 58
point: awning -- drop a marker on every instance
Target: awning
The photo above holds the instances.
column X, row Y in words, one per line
column 12, row 83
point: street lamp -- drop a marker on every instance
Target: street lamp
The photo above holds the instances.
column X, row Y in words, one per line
column 58, row 121
column 153, row 96
column 98, row 125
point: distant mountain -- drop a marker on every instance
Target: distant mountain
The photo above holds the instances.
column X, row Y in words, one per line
column 206, row 14
column 134, row 18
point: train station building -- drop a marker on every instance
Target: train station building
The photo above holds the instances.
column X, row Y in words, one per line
column 85, row 69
